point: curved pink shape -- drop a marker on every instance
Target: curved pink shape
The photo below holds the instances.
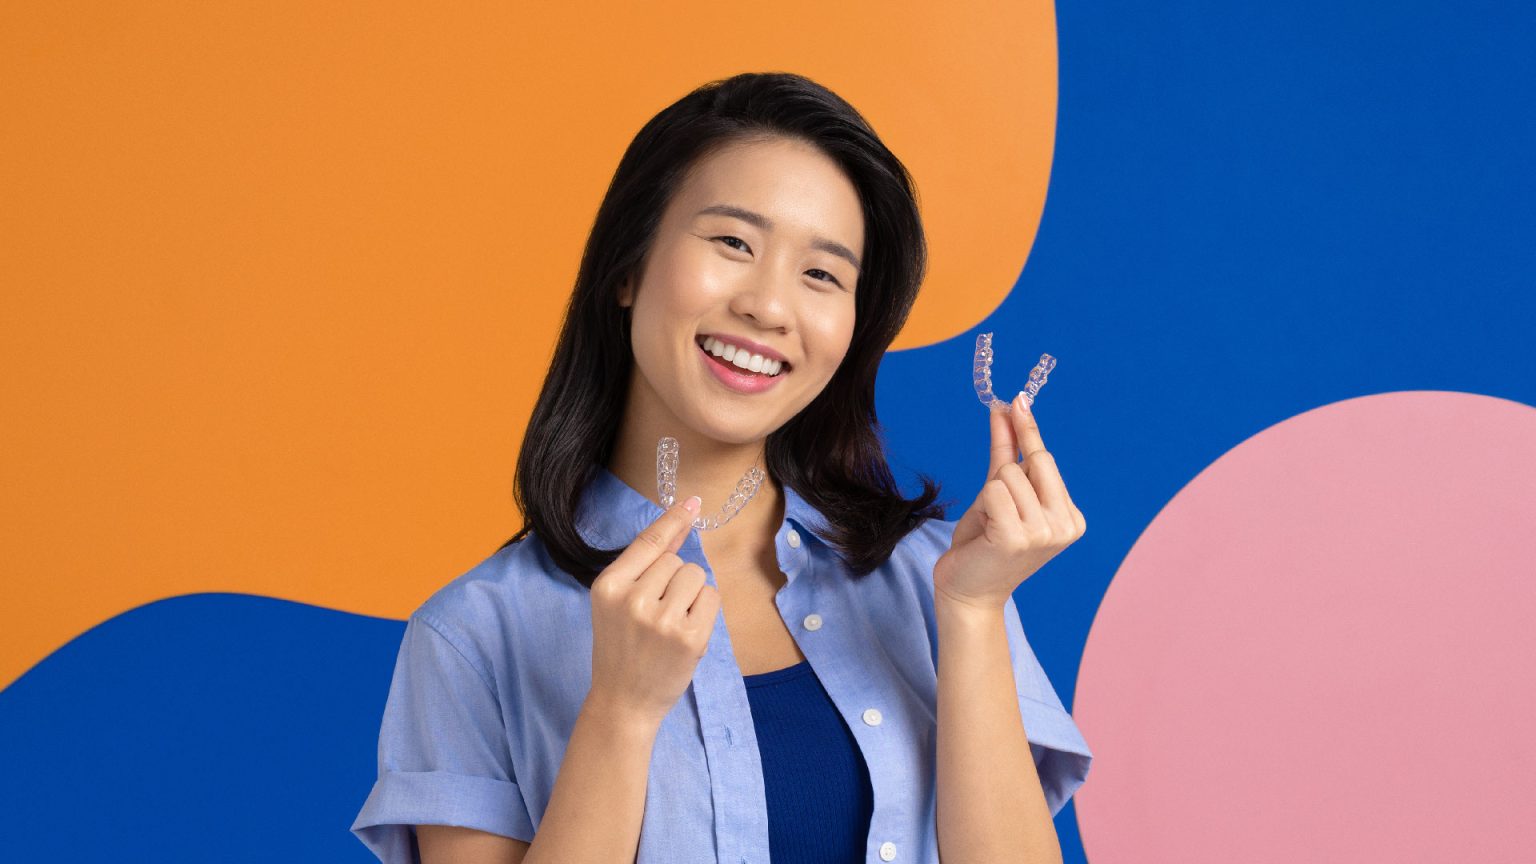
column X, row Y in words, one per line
column 1321, row 649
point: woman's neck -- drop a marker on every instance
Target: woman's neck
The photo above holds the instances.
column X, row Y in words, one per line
column 709, row 469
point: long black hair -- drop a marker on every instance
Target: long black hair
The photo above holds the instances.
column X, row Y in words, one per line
column 831, row 452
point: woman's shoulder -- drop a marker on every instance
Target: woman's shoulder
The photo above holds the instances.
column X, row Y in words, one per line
column 909, row 568
column 925, row 542
column 508, row 597
column 932, row 531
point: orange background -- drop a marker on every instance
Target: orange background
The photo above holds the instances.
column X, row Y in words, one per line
column 278, row 297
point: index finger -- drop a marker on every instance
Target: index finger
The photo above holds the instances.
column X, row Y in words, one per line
column 662, row 535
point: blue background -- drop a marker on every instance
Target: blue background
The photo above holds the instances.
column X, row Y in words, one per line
column 1253, row 211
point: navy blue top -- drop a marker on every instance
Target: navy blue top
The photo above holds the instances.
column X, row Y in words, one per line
column 818, row 789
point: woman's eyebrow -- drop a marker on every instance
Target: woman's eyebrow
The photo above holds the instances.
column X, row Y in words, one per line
column 766, row 224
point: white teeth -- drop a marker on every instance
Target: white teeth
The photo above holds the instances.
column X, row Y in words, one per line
column 742, row 358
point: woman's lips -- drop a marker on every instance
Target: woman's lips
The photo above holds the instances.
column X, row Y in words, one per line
column 735, row 377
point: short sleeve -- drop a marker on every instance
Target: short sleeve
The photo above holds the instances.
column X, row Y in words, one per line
column 443, row 757
column 1061, row 755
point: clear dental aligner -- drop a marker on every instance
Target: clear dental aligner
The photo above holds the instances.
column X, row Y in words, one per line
column 666, row 486
column 981, row 374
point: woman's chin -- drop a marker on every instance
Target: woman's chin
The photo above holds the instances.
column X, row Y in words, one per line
column 731, row 434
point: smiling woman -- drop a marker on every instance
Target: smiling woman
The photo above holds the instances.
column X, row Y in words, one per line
column 765, row 213
column 578, row 696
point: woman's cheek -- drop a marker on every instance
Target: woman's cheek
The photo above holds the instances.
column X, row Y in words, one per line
column 704, row 275
column 834, row 334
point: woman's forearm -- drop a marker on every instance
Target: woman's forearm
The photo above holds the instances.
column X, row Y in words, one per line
column 598, row 802
column 991, row 806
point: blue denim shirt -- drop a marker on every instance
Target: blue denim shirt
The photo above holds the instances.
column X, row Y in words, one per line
column 494, row 667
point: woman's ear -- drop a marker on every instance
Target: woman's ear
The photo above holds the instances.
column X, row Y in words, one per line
column 626, row 293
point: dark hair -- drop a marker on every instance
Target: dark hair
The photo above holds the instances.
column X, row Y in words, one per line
column 831, row 452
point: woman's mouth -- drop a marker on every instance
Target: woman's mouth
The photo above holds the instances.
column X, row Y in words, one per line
column 740, row 369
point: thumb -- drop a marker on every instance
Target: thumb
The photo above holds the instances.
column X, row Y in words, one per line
column 972, row 524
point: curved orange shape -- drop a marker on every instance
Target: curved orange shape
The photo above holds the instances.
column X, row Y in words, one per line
column 282, row 278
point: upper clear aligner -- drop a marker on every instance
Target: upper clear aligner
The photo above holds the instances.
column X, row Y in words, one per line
column 981, row 374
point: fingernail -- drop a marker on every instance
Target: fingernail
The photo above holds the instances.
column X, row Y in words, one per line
column 1019, row 403
column 692, row 504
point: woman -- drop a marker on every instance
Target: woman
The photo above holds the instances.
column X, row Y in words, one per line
column 579, row 696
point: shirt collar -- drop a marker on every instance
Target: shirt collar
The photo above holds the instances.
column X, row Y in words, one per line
column 611, row 514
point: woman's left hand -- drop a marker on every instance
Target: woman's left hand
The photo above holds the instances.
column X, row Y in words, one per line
column 1021, row 519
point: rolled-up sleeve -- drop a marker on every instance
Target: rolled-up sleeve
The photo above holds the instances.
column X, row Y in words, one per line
column 443, row 755
column 1061, row 755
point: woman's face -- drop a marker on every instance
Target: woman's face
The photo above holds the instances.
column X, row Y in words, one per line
column 775, row 278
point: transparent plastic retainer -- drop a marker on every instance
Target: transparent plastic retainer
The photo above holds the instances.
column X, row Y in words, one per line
column 982, row 375
column 666, row 486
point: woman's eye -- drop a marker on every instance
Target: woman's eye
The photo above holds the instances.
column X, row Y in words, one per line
column 829, row 276
column 744, row 246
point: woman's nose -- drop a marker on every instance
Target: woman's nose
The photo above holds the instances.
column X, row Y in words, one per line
column 766, row 296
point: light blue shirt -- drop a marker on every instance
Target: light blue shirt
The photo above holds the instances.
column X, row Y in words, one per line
column 494, row 668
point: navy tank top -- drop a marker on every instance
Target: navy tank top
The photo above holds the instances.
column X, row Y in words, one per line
column 819, row 794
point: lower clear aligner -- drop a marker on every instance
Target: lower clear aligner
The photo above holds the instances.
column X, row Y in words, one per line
column 981, row 375
column 666, row 486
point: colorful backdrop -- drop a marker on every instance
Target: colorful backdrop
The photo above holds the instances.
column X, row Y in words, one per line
column 280, row 282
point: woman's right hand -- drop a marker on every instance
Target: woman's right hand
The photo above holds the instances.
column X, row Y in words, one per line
column 652, row 615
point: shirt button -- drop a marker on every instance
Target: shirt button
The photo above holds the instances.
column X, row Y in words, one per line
column 812, row 621
column 887, row 851
column 872, row 717
column 794, row 538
